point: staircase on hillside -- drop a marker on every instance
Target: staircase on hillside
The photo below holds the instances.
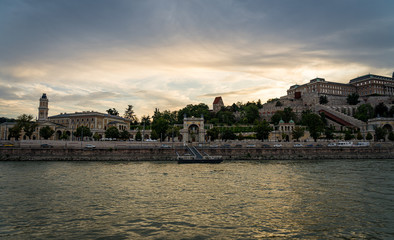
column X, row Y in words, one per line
column 341, row 118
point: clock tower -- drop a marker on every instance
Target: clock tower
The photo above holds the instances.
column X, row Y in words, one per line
column 43, row 108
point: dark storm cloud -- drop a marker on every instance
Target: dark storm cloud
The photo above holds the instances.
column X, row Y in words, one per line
column 58, row 29
column 63, row 29
column 92, row 52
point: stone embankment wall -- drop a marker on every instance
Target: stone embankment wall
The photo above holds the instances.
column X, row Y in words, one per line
column 170, row 154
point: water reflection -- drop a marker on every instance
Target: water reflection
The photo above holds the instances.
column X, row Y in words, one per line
column 281, row 199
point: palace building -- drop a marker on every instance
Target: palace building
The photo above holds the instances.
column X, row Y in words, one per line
column 366, row 85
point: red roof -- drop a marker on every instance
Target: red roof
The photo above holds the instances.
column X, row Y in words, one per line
column 217, row 100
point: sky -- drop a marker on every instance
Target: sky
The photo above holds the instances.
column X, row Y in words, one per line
column 92, row 55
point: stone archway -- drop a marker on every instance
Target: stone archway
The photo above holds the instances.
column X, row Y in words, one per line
column 68, row 133
column 388, row 127
column 193, row 132
column 58, row 134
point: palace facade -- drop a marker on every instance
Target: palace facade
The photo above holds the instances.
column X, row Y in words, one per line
column 366, row 85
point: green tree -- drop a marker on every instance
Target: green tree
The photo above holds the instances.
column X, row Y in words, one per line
column 286, row 115
column 323, row 100
column 380, row 133
column 251, row 113
column 82, row 132
column 225, row 116
column 64, row 136
column 323, row 118
column 170, row 117
column 173, row 132
column 124, row 135
column 160, row 126
column 112, row 132
column 369, row 136
column 364, row 112
column 138, row 136
column 145, row 120
column 46, row 132
column 348, row 135
column 194, row 110
column 259, row 105
column 154, row 135
column 4, row 119
column 129, row 113
column 381, row 110
column 314, row 124
column 329, row 132
column 25, row 123
column 359, row 136
column 213, row 133
column 228, row 134
column 352, row 99
column 278, row 104
column 263, row 130
column 391, row 136
column 96, row 136
column 113, row 112
column 391, row 112
column 298, row 132
column 15, row 132
column 234, row 108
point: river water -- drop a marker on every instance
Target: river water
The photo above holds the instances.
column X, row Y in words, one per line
column 327, row 199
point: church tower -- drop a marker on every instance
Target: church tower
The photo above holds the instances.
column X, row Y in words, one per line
column 43, row 108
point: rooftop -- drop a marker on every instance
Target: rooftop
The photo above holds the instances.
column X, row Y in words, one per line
column 370, row 76
column 217, row 100
column 86, row 113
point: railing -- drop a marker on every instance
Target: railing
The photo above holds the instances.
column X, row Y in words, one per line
column 195, row 152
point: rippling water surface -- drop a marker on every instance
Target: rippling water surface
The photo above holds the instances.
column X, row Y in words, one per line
column 231, row 200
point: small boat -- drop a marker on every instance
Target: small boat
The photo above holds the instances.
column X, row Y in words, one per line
column 203, row 160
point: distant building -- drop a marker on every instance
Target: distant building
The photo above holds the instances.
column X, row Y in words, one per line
column 320, row 85
column 67, row 123
column 97, row 122
column 217, row 104
column 364, row 86
column 373, row 84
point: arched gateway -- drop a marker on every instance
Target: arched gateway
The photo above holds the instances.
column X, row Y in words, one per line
column 193, row 129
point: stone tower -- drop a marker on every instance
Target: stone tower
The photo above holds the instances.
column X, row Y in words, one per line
column 43, row 108
column 217, row 104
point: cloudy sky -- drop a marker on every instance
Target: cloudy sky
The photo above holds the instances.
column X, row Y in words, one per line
column 99, row 54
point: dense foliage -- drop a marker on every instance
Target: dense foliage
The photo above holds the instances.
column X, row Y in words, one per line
column 323, row 100
column 83, row 132
column 313, row 122
column 263, row 130
column 364, row 112
column 112, row 132
column 46, row 132
column 352, row 99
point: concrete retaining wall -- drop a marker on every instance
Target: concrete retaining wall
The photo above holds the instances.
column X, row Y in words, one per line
column 160, row 154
